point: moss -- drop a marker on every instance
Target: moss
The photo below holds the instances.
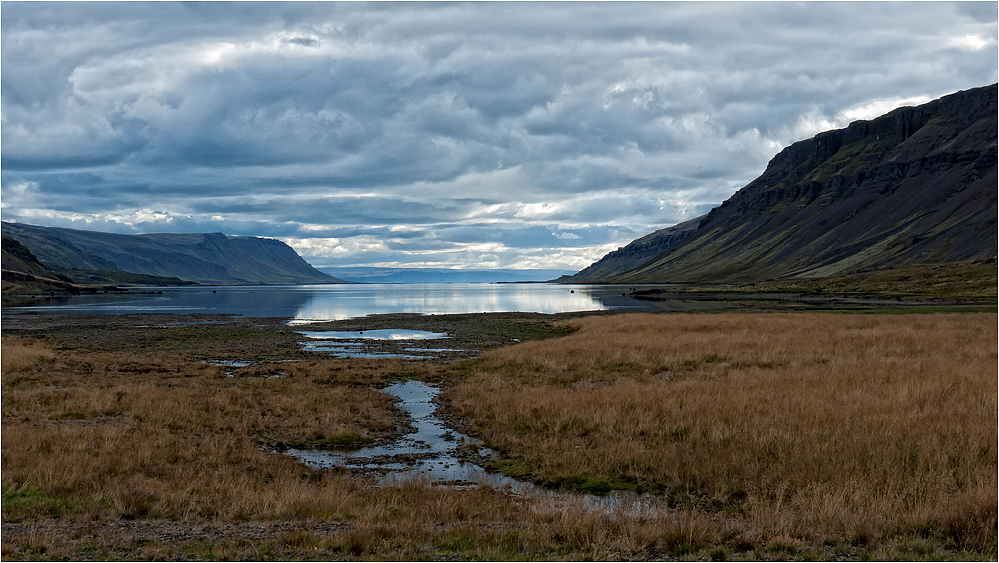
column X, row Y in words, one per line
column 337, row 442
column 30, row 502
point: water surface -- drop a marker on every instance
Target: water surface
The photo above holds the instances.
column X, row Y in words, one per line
column 377, row 334
column 429, row 455
column 304, row 303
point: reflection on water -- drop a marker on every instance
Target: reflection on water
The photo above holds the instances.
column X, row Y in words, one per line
column 429, row 455
column 350, row 343
column 356, row 301
column 352, row 350
column 343, row 301
column 378, row 334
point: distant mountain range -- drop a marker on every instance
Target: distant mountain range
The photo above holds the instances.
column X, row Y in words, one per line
column 88, row 257
column 440, row 275
column 915, row 186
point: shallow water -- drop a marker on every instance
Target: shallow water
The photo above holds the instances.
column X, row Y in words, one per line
column 378, row 334
column 428, row 455
column 353, row 350
column 350, row 344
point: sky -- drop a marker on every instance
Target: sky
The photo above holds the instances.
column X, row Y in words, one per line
column 443, row 135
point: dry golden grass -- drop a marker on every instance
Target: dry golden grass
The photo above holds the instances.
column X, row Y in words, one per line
column 157, row 436
column 19, row 355
column 806, row 425
column 782, row 435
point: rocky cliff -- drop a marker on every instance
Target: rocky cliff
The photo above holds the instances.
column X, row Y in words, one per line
column 915, row 186
column 211, row 258
column 636, row 254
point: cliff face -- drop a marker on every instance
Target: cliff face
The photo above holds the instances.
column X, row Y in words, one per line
column 915, row 186
column 211, row 258
column 636, row 254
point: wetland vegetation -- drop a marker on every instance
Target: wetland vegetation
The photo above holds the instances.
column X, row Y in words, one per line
column 751, row 436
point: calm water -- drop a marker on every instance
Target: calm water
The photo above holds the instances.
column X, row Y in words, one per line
column 336, row 302
column 428, row 452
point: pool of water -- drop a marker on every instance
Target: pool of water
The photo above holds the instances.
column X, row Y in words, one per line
column 352, row 343
column 377, row 334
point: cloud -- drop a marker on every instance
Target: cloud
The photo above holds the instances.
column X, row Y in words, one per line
column 406, row 133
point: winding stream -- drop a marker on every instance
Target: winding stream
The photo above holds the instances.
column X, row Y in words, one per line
column 429, row 455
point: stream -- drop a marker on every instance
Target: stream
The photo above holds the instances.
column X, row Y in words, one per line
column 429, row 455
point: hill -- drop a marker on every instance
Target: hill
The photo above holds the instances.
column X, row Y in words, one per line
column 915, row 186
column 209, row 258
column 23, row 273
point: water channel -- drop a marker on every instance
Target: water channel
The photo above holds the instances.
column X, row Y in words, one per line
column 429, row 455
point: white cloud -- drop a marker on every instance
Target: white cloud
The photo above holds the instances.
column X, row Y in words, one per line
column 128, row 218
column 877, row 108
column 970, row 42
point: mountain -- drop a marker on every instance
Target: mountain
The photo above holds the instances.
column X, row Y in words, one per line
column 915, row 186
column 23, row 273
column 16, row 258
column 440, row 275
column 210, row 258
column 636, row 254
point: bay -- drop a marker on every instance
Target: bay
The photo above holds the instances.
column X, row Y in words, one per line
column 304, row 303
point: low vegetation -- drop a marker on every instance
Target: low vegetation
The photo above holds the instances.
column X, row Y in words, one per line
column 805, row 426
column 961, row 281
column 757, row 436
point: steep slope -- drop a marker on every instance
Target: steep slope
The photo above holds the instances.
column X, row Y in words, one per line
column 636, row 254
column 211, row 258
column 915, row 186
column 23, row 273
column 17, row 258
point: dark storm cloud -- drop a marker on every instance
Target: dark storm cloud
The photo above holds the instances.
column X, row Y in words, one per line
column 536, row 134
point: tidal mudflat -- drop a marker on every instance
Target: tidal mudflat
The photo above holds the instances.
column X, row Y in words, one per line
column 733, row 436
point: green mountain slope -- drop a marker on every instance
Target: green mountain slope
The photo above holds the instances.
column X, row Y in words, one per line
column 23, row 273
column 915, row 186
column 211, row 258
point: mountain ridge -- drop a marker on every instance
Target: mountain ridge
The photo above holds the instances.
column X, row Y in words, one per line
column 207, row 258
column 914, row 186
column 635, row 254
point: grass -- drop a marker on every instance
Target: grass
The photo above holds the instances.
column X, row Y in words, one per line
column 807, row 436
column 960, row 281
column 160, row 437
column 806, row 426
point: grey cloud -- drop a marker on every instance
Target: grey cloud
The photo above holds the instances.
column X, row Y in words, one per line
column 622, row 116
